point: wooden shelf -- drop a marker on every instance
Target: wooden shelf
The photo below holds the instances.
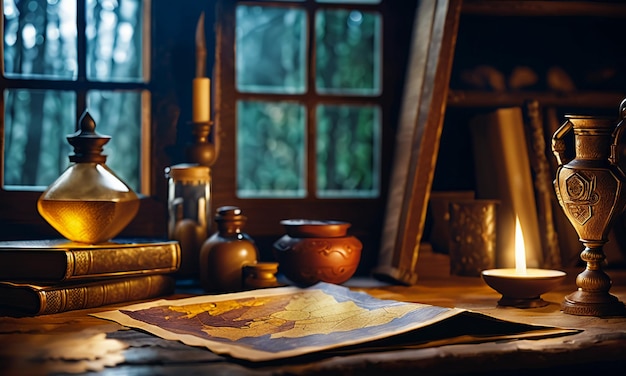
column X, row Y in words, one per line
column 537, row 8
column 474, row 98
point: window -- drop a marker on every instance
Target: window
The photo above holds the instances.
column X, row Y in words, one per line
column 61, row 57
column 331, row 128
column 311, row 87
column 307, row 109
column 44, row 75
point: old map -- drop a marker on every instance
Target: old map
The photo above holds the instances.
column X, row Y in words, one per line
column 276, row 323
column 280, row 322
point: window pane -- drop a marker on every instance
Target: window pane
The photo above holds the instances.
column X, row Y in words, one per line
column 35, row 146
column 348, row 139
column 118, row 114
column 271, row 139
column 270, row 49
column 40, row 39
column 347, row 52
column 114, row 40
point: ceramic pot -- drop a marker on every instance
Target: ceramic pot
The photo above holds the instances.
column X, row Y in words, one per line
column 317, row 251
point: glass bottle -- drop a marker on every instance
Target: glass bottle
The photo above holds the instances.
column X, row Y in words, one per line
column 189, row 203
column 225, row 254
column 88, row 203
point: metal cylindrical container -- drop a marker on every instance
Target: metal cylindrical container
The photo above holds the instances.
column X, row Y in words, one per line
column 189, row 208
column 472, row 236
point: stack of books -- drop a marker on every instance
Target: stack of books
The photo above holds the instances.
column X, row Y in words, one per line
column 39, row 277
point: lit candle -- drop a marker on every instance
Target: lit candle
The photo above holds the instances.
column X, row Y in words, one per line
column 521, row 287
column 520, row 249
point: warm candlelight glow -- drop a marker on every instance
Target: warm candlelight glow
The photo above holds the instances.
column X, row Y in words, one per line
column 522, row 287
column 201, row 100
column 520, row 250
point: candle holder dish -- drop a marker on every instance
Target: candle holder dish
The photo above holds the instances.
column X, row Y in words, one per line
column 522, row 289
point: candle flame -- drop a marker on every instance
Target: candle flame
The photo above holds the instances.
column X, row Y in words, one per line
column 520, row 250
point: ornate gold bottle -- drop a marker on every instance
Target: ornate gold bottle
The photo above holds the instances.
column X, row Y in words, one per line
column 88, row 203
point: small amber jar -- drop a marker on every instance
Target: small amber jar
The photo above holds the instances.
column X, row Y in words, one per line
column 224, row 254
column 260, row 275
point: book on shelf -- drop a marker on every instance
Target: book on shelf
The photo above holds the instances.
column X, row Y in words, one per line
column 61, row 260
column 543, row 178
column 503, row 172
column 43, row 299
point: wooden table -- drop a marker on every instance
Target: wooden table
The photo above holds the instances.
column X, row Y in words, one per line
column 74, row 342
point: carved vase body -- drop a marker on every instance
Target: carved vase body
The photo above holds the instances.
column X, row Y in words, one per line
column 317, row 251
column 589, row 187
column 590, row 190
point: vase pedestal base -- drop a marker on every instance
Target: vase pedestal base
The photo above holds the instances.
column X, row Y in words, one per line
column 586, row 303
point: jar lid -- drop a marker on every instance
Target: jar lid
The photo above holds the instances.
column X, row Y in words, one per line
column 315, row 228
column 188, row 172
column 229, row 213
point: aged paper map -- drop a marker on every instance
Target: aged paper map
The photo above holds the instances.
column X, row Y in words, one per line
column 275, row 323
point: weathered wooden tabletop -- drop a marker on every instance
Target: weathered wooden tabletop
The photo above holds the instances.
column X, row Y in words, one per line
column 74, row 342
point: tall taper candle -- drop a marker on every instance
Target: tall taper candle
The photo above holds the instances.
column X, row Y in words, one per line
column 201, row 100
column 201, row 86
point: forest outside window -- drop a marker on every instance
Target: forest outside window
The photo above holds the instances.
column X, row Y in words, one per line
column 59, row 58
column 308, row 82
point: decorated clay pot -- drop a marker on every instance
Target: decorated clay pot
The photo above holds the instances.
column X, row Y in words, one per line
column 317, row 251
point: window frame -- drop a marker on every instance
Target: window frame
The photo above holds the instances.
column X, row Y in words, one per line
column 264, row 215
column 19, row 218
column 171, row 62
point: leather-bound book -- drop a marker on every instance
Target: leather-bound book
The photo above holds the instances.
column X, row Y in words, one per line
column 32, row 299
column 62, row 260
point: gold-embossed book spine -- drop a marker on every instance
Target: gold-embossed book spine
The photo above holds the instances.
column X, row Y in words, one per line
column 57, row 261
column 91, row 263
column 43, row 300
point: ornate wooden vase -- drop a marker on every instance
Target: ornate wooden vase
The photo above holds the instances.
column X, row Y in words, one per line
column 590, row 190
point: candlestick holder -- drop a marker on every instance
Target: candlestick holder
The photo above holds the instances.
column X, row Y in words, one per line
column 202, row 151
column 522, row 289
